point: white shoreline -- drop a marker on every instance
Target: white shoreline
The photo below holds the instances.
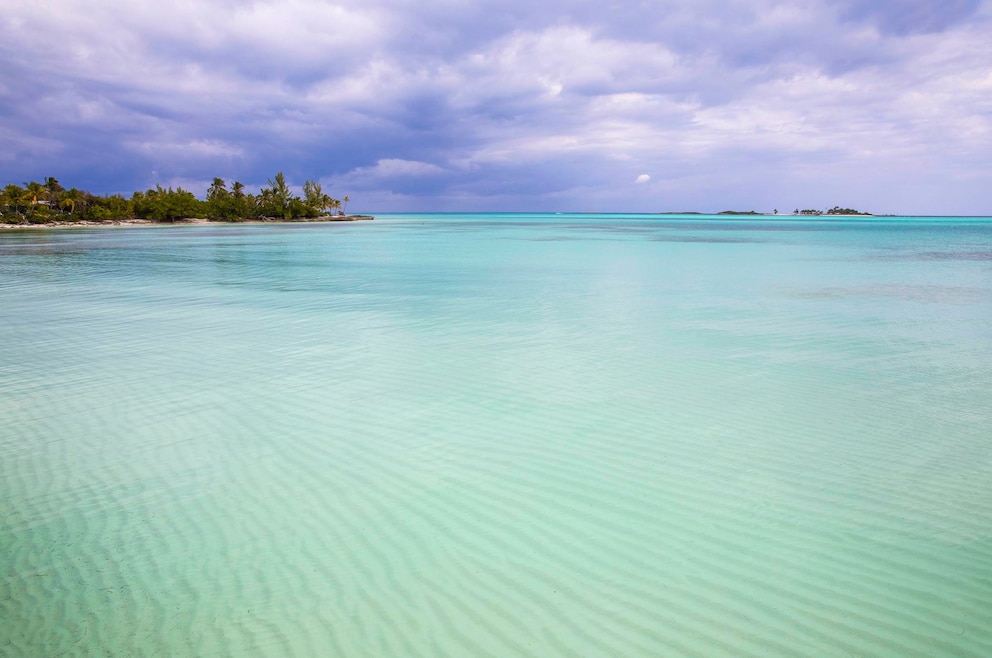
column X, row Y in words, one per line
column 181, row 222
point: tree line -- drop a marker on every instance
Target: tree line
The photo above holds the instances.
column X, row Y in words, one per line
column 39, row 203
column 836, row 210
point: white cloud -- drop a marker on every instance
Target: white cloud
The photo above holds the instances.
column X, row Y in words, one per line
column 451, row 101
column 189, row 149
column 393, row 168
column 399, row 167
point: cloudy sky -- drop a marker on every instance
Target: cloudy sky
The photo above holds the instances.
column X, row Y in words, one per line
column 517, row 105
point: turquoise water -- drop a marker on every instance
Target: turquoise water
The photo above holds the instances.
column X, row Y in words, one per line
column 498, row 435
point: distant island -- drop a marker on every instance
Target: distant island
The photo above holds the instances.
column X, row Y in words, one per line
column 37, row 203
column 836, row 210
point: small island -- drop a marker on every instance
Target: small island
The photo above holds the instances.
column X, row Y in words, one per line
column 836, row 210
column 51, row 204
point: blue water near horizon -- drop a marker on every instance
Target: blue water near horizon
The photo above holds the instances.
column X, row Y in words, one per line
column 512, row 434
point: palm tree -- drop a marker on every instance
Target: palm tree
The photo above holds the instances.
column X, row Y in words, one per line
column 346, row 200
column 11, row 197
column 71, row 199
column 241, row 204
column 277, row 194
column 217, row 189
column 314, row 195
column 33, row 192
column 54, row 189
column 280, row 190
column 217, row 199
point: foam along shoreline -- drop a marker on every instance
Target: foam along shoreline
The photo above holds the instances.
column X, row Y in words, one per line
column 189, row 220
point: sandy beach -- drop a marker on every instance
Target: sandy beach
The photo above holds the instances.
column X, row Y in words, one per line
column 191, row 220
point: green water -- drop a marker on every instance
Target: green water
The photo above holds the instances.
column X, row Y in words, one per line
column 498, row 435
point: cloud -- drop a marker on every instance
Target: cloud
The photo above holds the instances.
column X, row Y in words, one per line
column 902, row 17
column 192, row 149
column 393, row 167
column 553, row 105
column 643, row 178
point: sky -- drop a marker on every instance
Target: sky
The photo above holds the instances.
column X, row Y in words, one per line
column 511, row 105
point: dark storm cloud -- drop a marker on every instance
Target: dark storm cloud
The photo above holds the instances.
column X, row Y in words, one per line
column 511, row 104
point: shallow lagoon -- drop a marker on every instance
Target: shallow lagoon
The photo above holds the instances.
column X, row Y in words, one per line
column 544, row 435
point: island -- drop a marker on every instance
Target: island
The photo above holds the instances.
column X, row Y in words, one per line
column 836, row 210
column 51, row 204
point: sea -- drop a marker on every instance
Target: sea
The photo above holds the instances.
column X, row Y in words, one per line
column 498, row 435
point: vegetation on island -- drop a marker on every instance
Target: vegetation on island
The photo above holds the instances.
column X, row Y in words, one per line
column 50, row 202
column 836, row 210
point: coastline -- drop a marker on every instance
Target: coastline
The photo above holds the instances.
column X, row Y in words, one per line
column 187, row 221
